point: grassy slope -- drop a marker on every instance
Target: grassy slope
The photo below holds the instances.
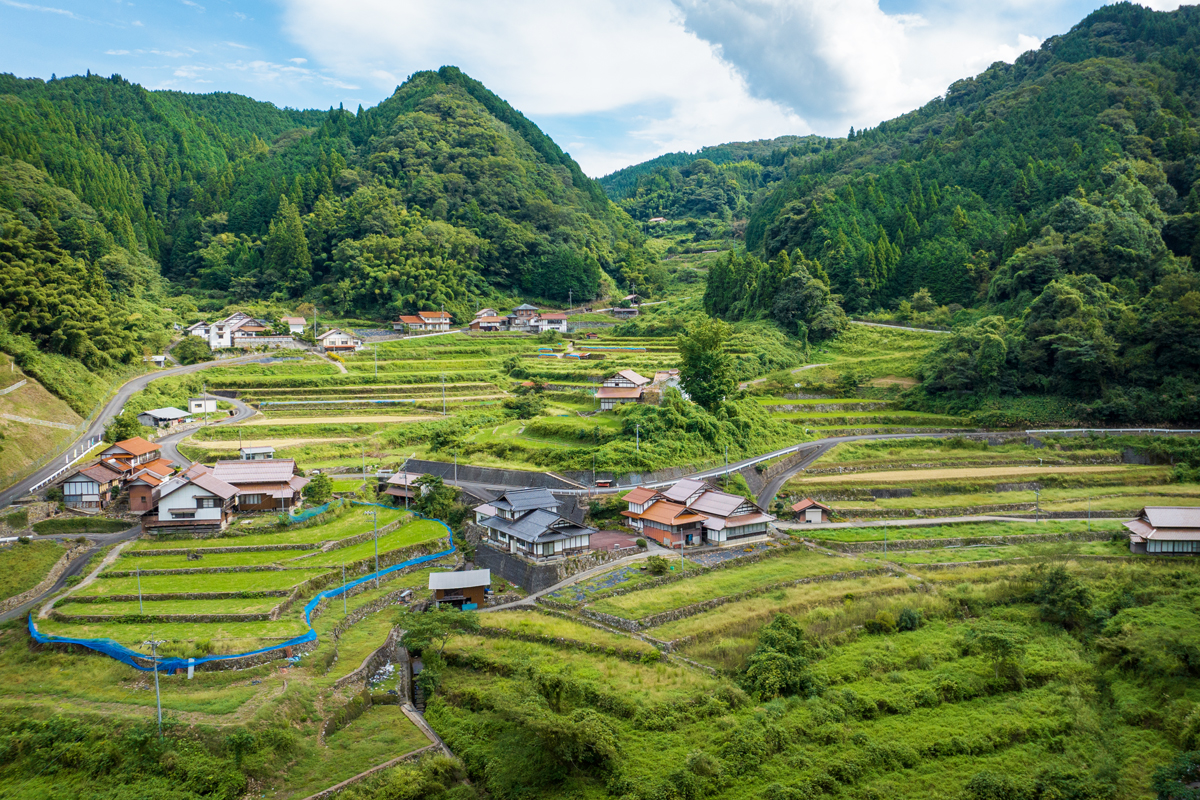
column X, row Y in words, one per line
column 23, row 566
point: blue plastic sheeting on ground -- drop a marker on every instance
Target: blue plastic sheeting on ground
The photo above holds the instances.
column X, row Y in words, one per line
column 126, row 656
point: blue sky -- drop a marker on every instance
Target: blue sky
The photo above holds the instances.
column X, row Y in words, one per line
column 613, row 81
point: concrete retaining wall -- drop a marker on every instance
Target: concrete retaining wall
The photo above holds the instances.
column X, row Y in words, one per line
column 488, row 475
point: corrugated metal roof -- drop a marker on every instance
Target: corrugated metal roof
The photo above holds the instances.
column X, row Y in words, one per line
column 684, row 489
column 169, row 412
column 669, row 513
column 460, row 580
column 630, row 375
column 640, row 495
column 808, row 502
column 1172, row 516
column 211, row 483
column 719, row 524
column 267, row 470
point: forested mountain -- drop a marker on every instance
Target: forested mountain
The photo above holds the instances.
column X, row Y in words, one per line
column 440, row 193
column 1059, row 197
column 719, row 182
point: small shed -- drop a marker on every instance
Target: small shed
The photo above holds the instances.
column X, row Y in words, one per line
column 256, row 453
column 625, row 313
column 809, row 510
column 466, row 590
column 161, row 417
column 202, row 405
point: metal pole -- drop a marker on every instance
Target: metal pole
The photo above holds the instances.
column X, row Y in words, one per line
column 443, row 395
column 376, row 347
column 1089, row 514
column 154, row 643
column 638, row 433
column 343, row 588
column 141, row 610
column 375, row 519
column 456, row 468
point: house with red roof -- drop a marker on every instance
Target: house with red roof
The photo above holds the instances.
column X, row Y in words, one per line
column 720, row 519
column 423, row 321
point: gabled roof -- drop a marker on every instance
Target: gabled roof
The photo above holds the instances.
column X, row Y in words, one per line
column 294, row 320
column 683, row 490
column 434, row 314
column 194, row 325
column 1167, row 523
column 159, row 466
column 204, row 480
column 256, row 450
column 553, row 317
column 404, row 478
column 538, row 525
column 485, row 508
column 460, row 580
column 808, row 502
column 640, row 495
column 411, row 320
column 718, row 524
column 332, row 332
column 526, row 499
column 100, row 472
column 485, row 312
column 525, row 307
column 195, row 469
column 633, row 377
column 167, row 412
column 717, row 503
column 136, row 446
column 147, row 477
column 267, row 470
column 491, row 320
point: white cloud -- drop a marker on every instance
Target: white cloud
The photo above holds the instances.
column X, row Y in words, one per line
column 239, row 46
column 116, row 52
column 44, row 9
column 192, row 4
column 137, row 23
column 298, row 60
column 270, row 72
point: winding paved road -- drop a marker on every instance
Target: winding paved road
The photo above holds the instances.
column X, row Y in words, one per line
column 110, row 410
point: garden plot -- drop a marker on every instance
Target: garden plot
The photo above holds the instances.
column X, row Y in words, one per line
column 724, row 582
column 1032, row 550
column 200, row 582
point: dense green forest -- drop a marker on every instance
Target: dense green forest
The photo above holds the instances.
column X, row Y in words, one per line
column 1051, row 207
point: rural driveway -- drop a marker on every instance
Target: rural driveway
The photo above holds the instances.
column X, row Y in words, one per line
column 96, row 429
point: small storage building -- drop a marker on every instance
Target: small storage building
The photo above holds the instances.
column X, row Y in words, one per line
column 809, row 510
column 466, row 590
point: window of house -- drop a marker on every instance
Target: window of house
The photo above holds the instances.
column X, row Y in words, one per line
column 180, row 513
column 252, row 499
column 206, row 502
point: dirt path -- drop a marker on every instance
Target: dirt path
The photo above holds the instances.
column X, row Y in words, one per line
column 341, row 367
column 104, row 564
column 261, row 420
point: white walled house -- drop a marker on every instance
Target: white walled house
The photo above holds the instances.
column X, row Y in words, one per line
column 551, row 322
column 220, row 334
column 431, row 321
column 335, row 341
column 197, row 503
column 626, row 386
column 526, row 522
column 295, row 324
column 202, row 405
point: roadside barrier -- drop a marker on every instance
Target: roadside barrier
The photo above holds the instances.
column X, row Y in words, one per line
column 123, row 654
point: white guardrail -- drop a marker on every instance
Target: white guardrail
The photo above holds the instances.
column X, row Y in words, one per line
column 79, row 452
column 1117, row 430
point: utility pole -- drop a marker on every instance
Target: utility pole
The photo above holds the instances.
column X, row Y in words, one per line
column 141, row 610
column 456, row 468
column 407, row 490
column 443, row 394
column 153, row 645
column 376, row 348
column 375, row 517
column 1037, row 516
column 204, row 399
column 593, row 470
column 570, row 298
column 344, row 589
column 637, row 429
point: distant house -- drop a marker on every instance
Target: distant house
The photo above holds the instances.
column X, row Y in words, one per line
column 256, row 453
column 1165, row 530
column 202, row 405
column 92, row 487
column 266, row 485
column 808, row 510
column 692, row 512
column 465, row 590
column 488, row 324
column 551, row 322
column 624, row 387
column 403, row 486
column 131, row 453
column 335, row 341
column 655, row 220
column 221, row 334
column 162, row 417
column 528, row 522
column 142, row 483
column 200, row 503
column 624, row 313
column 486, row 312
column 431, row 321
column 633, row 299
column 526, row 311
column 295, row 324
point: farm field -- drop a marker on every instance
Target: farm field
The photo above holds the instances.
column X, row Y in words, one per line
column 876, row 533
column 1066, row 549
column 532, row 623
column 719, row 583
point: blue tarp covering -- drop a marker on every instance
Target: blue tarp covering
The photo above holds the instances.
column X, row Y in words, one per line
column 126, row 656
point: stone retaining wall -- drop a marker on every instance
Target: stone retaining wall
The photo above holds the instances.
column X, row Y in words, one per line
column 239, row 662
column 1002, row 562
column 964, row 541
column 415, row 755
column 1049, row 464
column 707, row 605
column 247, row 548
column 35, row 512
column 372, row 662
column 128, row 573
column 56, row 571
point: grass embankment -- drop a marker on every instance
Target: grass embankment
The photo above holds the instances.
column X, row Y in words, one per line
column 877, row 533
column 532, row 623
column 945, row 555
column 80, row 525
column 724, row 582
column 23, row 566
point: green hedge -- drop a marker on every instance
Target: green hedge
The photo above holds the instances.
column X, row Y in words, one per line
column 69, row 525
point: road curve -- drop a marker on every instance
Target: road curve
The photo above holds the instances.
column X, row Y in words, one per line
column 110, row 410
column 170, row 444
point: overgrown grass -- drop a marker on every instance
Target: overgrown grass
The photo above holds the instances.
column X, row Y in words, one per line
column 70, row 525
column 877, row 533
column 532, row 623
column 23, row 566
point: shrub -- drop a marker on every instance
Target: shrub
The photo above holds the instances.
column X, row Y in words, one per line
column 657, row 565
column 641, row 543
column 910, row 619
column 23, row 540
column 884, row 622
